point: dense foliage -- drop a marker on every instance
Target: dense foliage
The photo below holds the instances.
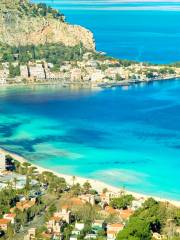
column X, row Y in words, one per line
column 53, row 53
column 25, row 8
column 122, row 202
column 151, row 217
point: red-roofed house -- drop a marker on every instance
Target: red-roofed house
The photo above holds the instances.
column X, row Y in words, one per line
column 64, row 214
column 125, row 214
column 10, row 216
column 113, row 230
column 110, row 210
column 4, row 224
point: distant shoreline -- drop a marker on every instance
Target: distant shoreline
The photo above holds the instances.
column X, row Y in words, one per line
column 84, row 85
column 96, row 184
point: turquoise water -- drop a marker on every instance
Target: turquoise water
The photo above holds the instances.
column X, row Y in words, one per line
column 125, row 137
column 136, row 31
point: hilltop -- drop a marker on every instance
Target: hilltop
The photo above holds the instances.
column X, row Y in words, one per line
column 24, row 23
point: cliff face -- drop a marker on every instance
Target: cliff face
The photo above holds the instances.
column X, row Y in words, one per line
column 18, row 27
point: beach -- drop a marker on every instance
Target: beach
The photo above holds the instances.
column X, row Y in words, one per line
column 97, row 185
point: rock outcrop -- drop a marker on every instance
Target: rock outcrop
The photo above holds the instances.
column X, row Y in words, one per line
column 20, row 27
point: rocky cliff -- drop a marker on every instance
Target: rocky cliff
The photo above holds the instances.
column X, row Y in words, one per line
column 22, row 23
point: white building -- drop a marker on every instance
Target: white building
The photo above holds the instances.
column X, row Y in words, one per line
column 37, row 71
column 90, row 236
column 89, row 198
column 24, row 71
column 97, row 76
column 113, row 230
column 79, row 226
column 2, row 162
column 64, row 214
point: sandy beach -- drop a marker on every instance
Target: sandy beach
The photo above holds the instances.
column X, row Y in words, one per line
column 97, row 185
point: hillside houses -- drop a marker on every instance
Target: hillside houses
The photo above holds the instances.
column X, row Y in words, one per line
column 89, row 70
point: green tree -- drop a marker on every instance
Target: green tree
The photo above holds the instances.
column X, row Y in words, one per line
column 136, row 229
column 122, row 202
column 86, row 187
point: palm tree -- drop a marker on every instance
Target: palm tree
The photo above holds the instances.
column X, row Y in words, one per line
column 15, row 180
column 73, row 179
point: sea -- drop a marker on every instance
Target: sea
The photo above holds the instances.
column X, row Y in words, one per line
column 128, row 137
column 128, row 29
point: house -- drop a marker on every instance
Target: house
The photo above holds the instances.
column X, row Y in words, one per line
column 3, row 76
column 157, row 236
column 76, row 74
column 97, row 76
column 110, row 210
column 108, row 196
column 125, row 214
column 24, row 205
column 136, row 204
column 88, row 198
column 91, row 236
column 177, row 230
column 64, row 214
column 113, row 230
column 46, row 236
column 10, row 216
column 36, row 71
column 31, row 234
column 76, row 232
column 24, row 71
column 2, row 162
column 73, row 237
column 4, row 223
column 79, row 226
column 54, row 226
column 98, row 224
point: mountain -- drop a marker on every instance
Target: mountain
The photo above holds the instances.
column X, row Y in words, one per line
column 25, row 23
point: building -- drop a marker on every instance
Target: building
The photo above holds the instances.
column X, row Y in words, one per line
column 10, row 216
column 2, row 162
column 3, row 76
column 91, row 236
column 37, row 71
column 4, row 223
column 88, row 198
column 64, row 214
column 54, row 226
column 113, row 230
column 110, row 210
column 24, row 71
column 24, row 205
column 76, row 74
column 137, row 204
column 108, row 196
column 157, row 236
column 31, row 234
column 73, row 237
column 79, row 226
column 97, row 76
column 98, row 224
column 125, row 214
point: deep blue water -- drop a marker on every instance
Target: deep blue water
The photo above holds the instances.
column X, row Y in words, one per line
column 125, row 137
column 136, row 31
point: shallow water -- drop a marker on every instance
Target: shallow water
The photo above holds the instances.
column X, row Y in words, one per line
column 125, row 137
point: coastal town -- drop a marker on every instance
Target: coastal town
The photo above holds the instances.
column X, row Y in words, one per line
column 38, row 204
column 37, row 46
column 87, row 72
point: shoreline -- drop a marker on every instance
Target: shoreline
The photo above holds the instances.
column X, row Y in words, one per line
column 86, row 85
column 96, row 184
